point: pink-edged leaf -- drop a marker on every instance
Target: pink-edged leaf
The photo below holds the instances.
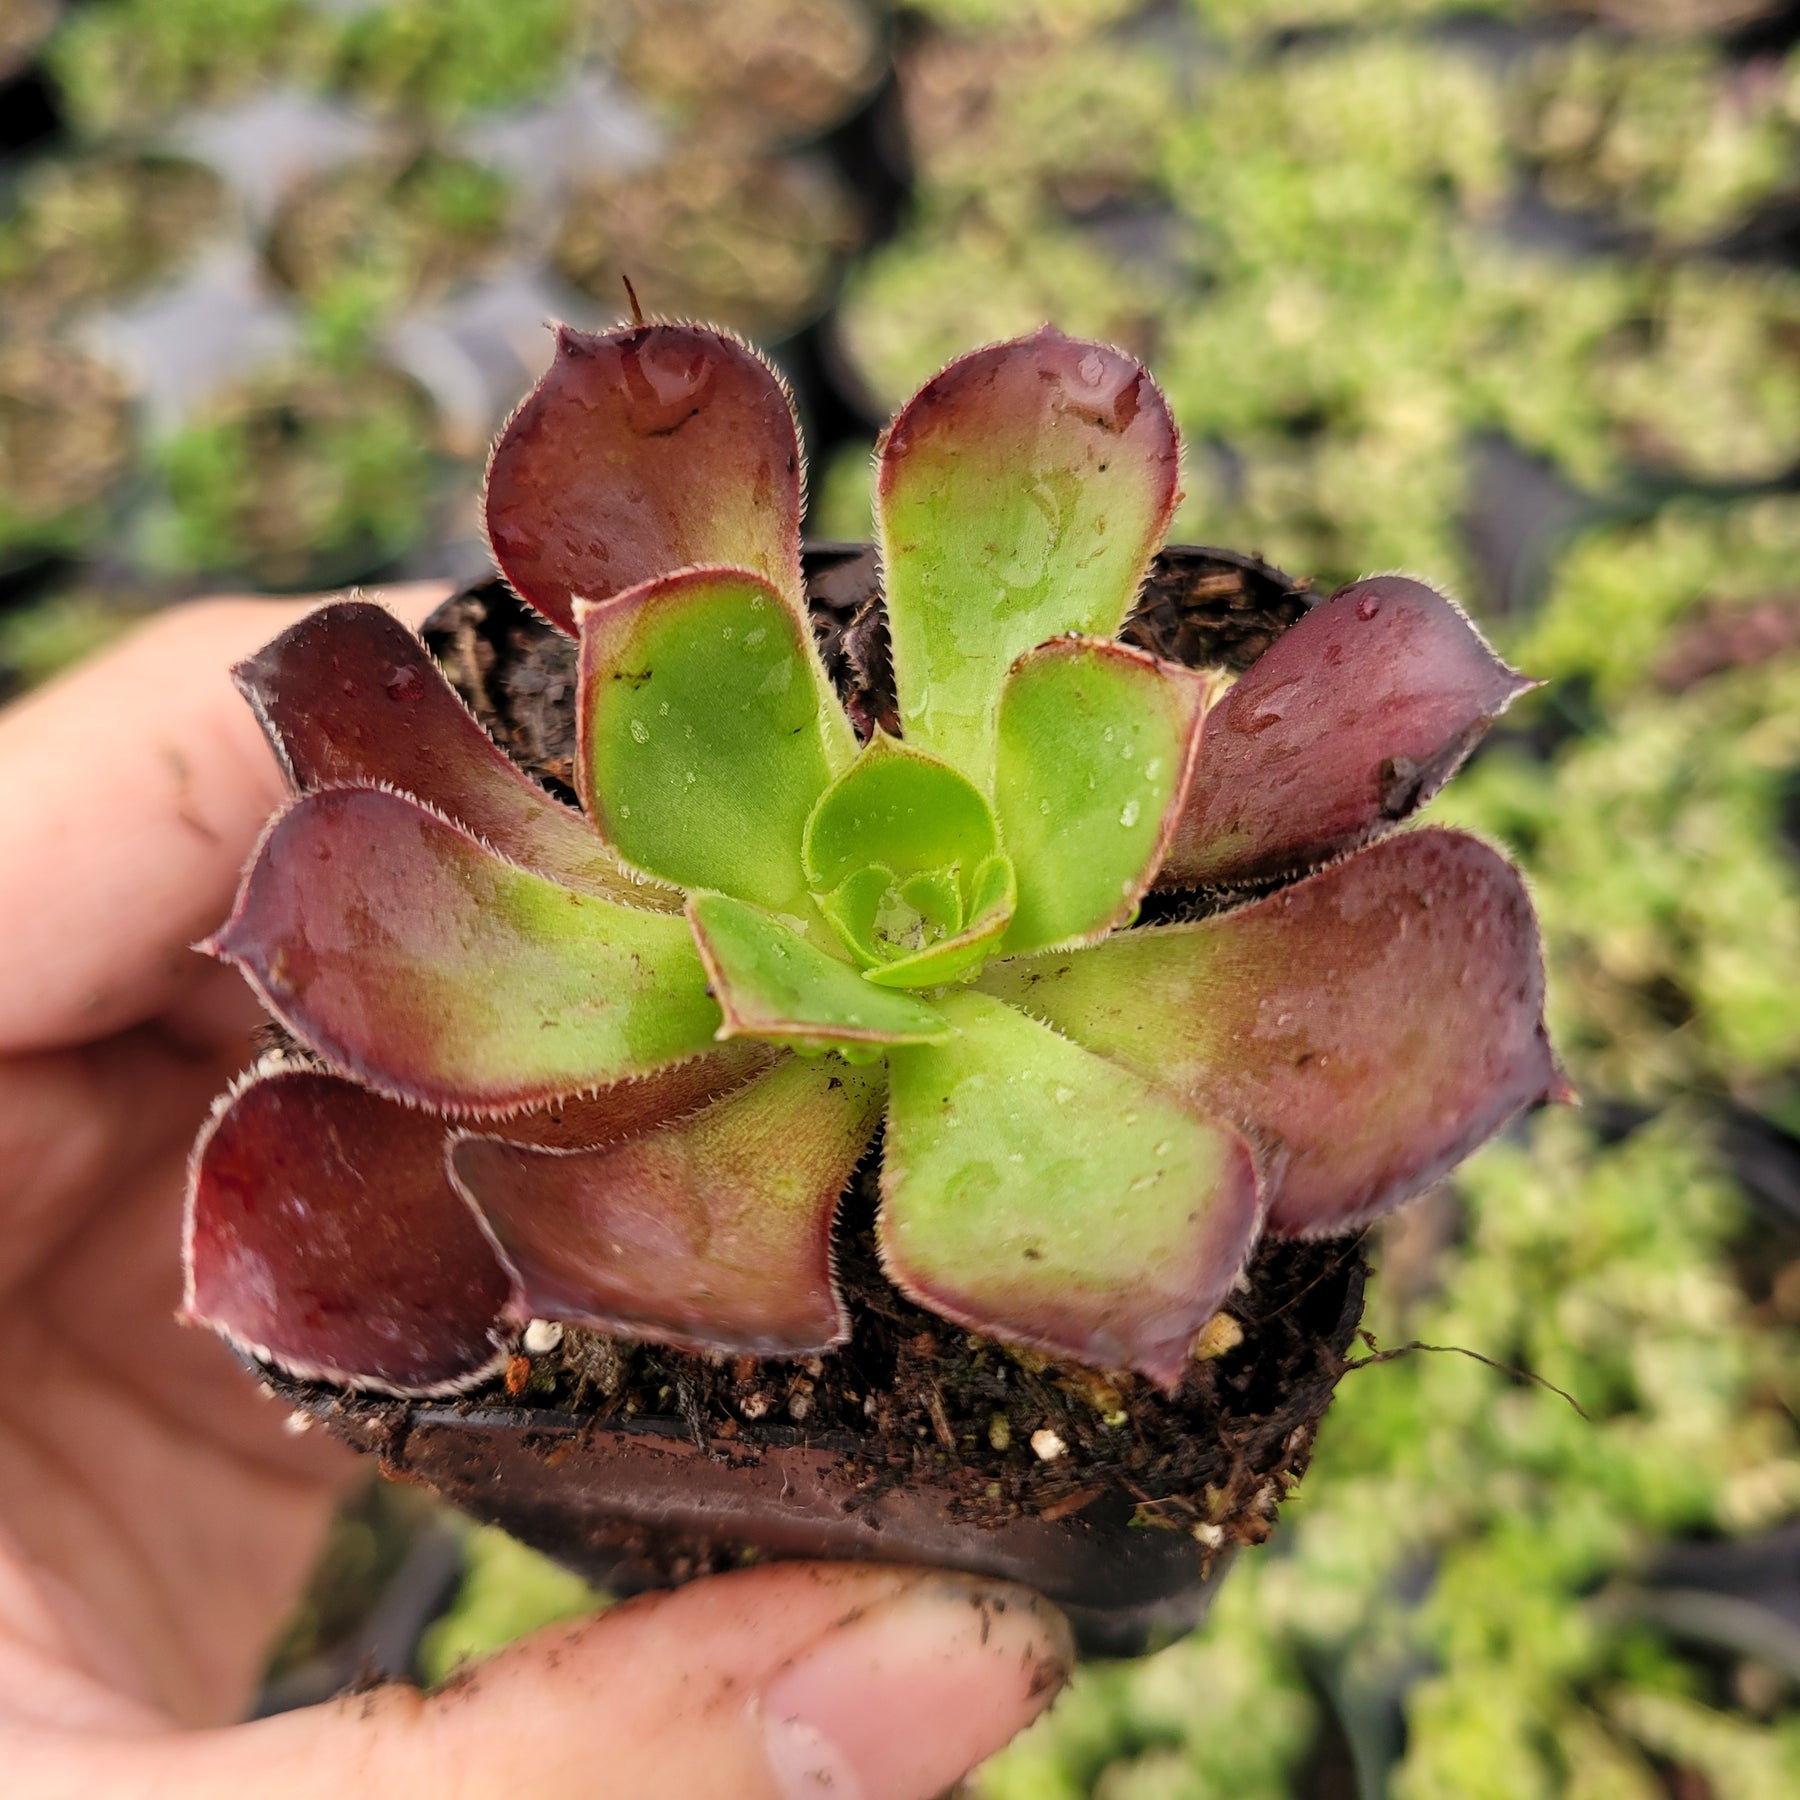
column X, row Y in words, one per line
column 772, row 984
column 707, row 729
column 645, row 450
column 712, row 1234
column 627, row 1108
column 413, row 957
column 1019, row 494
column 324, row 1235
column 350, row 698
column 1349, row 722
column 1377, row 1020
column 1046, row 1196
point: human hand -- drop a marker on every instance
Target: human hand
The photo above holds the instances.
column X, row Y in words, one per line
column 156, row 1521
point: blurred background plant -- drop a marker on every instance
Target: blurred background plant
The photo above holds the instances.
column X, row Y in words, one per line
column 1506, row 293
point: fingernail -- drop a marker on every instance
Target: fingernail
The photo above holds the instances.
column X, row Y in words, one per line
column 901, row 1701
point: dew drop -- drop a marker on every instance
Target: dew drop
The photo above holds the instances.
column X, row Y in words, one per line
column 1128, row 813
column 1108, row 734
column 640, row 731
column 1064, row 1095
column 403, row 684
column 1367, row 607
column 663, row 710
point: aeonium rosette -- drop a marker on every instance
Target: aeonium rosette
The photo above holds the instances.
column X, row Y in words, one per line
column 618, row 1069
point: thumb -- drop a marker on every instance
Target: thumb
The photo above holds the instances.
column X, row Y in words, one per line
column 802, row 1682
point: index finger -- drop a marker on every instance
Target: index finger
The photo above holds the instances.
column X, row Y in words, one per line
column 131, row 791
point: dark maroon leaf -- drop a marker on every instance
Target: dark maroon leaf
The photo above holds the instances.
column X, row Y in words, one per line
column 324, row 1235
column 351, row 698
column 1348, row 723
column 642, row 451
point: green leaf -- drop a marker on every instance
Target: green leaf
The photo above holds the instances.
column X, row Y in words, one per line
column 1096, row 744
column 1019, row 494
column 859, row 903
column 903, row 857
column 1038, row 1193
column 771, row 983
column 414, row 958
column 713, row 1233
column 993, row 893
column 708, row 730
column 912, row 813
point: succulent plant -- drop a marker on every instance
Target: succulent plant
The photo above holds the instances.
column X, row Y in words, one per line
column 618, row 1069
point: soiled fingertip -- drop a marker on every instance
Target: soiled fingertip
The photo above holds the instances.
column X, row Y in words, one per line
column 901, row 1700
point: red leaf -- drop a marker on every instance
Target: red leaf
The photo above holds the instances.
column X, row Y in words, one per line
column 350, row 698
column 645, row 450
column 1374, row 1022
column 1347, row 724
column 409, row 955
column 713, row 1233
column 324, row 1235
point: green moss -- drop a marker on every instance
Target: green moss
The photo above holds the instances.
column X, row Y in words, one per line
column 65, row 439
column 364, row 239
column 1068, row 16
column 296, row 477
column 1620, row 591
column 1252, row 19
column 1018, row 123
column 840, row 496
column 1601, row 1270
column 1226, row 1713
column 748, row 240
column 44, row 638
column 507, row 1592
column 902, row 324
column 1670, row 904
column 449, row 58
column 1664, row 137
column 126, row 64
column 96, row 228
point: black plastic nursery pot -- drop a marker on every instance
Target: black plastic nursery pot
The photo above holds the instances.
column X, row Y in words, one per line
column 915, row 1442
